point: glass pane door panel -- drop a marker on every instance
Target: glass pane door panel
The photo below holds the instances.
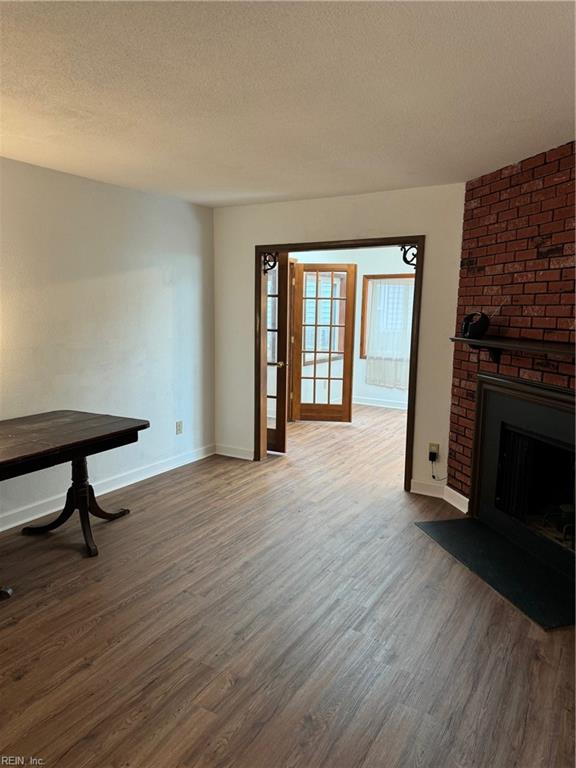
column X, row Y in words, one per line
column 339, row 287
column 272, row 346
column 321, row 391
column 336, row 366
column 271, row 412
column 272, row 281
column 323, row 317
column 322, row 364
column 338, row 312
column 335, row 392
column 272, row 379
column 337, row 342
column 309, row 312
column 308, row 338
column 272, row 315
column 323, row 339
column 310, row 284
column 324, row 284
column 308, row 364
column 307, row 391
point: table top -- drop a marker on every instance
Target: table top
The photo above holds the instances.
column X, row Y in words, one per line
column 47, row 435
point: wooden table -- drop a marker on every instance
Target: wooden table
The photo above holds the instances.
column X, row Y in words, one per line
column 36, row 442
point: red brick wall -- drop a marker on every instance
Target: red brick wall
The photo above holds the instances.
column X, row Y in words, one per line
column 517, row 248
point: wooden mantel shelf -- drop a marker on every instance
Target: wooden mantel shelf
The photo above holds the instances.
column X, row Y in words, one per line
column 497, row 344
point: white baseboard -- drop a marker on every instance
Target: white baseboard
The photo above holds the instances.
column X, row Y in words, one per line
column 439, row 491
column 379, row 403
column 235, row 453
column 456, row 499
column 21, row 515
column 427, row 489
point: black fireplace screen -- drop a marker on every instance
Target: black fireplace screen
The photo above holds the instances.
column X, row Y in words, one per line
column 535, row 483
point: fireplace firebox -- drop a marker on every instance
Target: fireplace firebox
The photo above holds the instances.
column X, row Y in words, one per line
column 523, row 472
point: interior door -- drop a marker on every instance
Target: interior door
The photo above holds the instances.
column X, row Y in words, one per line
column 277, row 368
column 292, row 283
column 323, row 333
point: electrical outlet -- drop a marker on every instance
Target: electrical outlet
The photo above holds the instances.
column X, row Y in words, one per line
column 179, row 427
column 433, row 451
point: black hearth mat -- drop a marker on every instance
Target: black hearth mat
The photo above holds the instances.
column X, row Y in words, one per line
column 544, row 595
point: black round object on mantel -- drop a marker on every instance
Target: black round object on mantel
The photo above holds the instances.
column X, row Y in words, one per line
column 475, row 325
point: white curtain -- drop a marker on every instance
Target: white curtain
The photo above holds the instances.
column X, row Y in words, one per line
column 388, row 328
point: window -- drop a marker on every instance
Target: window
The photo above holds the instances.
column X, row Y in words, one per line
column 386, row 325
column 388, row 305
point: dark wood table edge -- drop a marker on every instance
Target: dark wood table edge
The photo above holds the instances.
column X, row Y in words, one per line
column 86, row 447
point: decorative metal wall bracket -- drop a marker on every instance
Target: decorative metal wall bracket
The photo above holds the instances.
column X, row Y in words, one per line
column 269, row 261
column 409, row 254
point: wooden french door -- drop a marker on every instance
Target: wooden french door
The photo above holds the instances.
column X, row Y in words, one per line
column 323, row 341
column 275, row 297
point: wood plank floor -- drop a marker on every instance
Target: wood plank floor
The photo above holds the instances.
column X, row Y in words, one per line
column 286, row 614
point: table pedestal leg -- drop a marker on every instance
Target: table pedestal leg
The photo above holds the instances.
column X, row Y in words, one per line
column 80, row 496
column 96, row 510
column 66, row 514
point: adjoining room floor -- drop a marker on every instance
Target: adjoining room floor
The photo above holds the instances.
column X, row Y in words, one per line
column 275, row 615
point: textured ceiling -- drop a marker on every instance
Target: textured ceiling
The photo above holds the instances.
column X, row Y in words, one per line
column 238, row 102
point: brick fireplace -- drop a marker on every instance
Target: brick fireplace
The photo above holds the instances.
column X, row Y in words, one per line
column 517, row 262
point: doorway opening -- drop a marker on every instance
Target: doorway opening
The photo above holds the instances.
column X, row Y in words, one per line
column 337, row 328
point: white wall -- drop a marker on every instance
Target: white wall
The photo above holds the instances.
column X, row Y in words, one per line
column 369, row 261
column 432, row 211
column 106, row 304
